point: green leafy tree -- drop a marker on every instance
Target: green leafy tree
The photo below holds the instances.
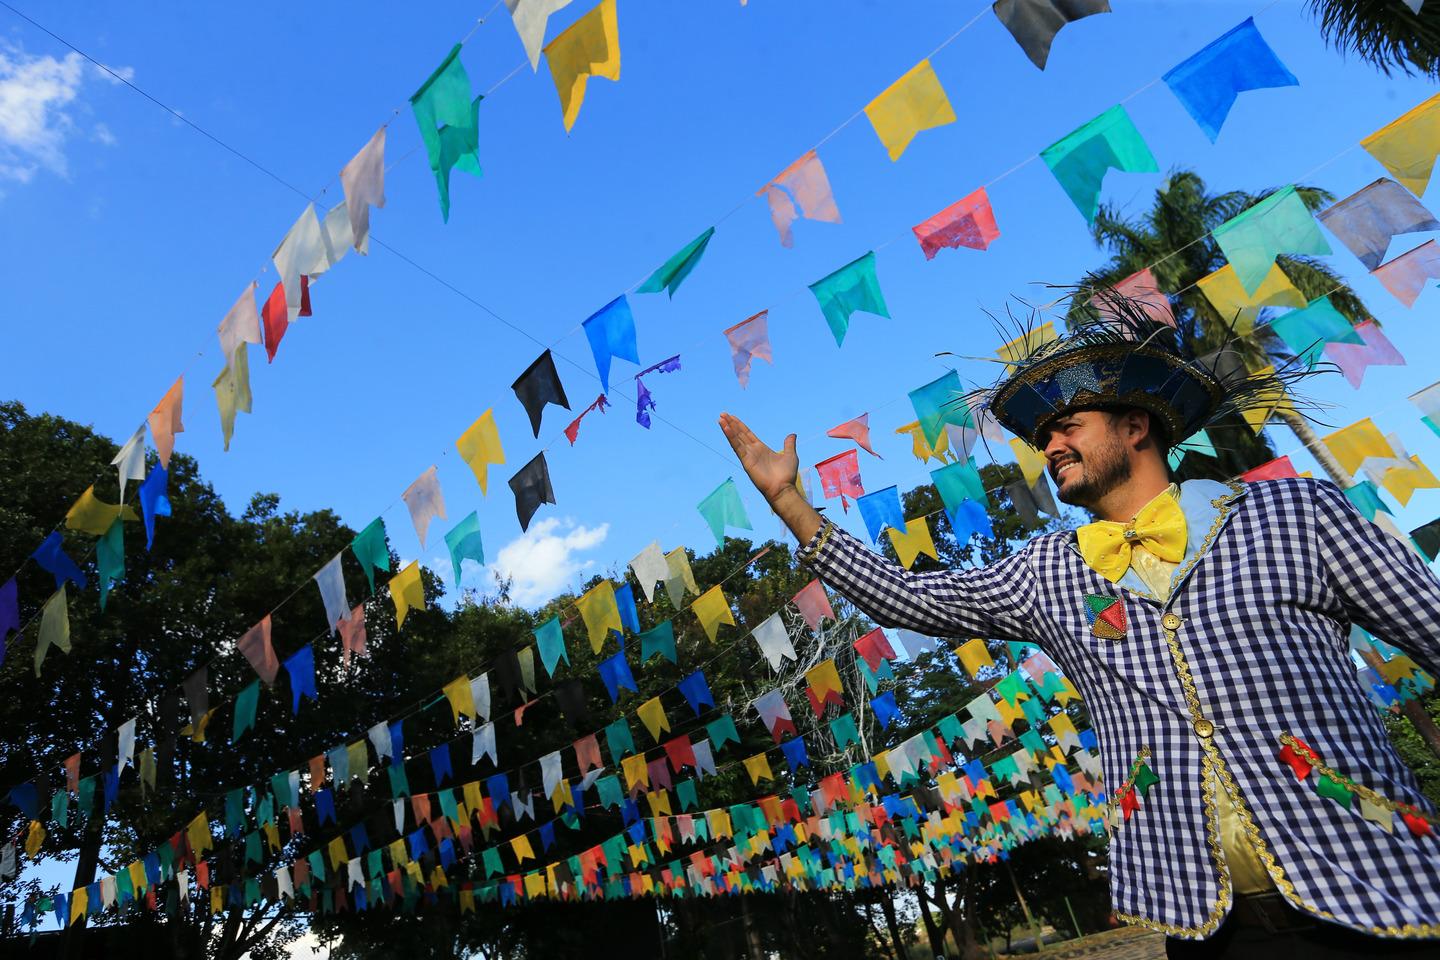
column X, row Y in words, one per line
column 1387, row 34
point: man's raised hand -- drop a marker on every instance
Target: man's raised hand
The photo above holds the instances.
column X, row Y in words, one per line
column 772, row 471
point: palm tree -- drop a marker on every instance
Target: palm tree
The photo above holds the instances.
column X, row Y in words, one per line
column 1173, row 240
column 1388, row 34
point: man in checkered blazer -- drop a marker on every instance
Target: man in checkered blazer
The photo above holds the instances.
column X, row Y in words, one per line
column 1206, row 625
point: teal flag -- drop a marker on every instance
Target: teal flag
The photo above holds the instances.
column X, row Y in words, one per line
column 371, row 550
column 110, row 559
column 853, row 287
column 245, row 705
column 722, row 730
column 677, row 268
column 465, row 543
column 842, row 728
column 449, row 124
column 958, row 482
column 722, row 508
column 550, row 639
column 1081, row 159
column 1278, row 224
column 659, row 639
column 939, row 402
column 1307, row 331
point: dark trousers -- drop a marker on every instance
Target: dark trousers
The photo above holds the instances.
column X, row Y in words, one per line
column 1265, row 927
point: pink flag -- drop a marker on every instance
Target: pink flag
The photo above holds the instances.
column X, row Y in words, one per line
column 750, row 339
column 1142, row 288
column 801, row 190
column 1405, row 276
column 965, row 223
column 840, row 477
column 857, row 430
column 1354, row 359
column 255, row 645
column 874, row 647
column 352, row 633
column 814, row 604
column 1278, row 469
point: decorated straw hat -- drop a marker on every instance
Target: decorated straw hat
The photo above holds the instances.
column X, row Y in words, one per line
column 1118, row 355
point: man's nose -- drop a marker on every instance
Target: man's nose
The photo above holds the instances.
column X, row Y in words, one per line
column 1055, row 447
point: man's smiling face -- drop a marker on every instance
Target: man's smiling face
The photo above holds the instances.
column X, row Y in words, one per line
column 1087, row 455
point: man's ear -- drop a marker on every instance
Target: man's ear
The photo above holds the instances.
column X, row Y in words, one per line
column 1139, row 424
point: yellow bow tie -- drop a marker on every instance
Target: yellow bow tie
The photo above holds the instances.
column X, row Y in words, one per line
column 1159, row 527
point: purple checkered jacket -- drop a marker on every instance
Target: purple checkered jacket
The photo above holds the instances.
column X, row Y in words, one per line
column 1252, row 645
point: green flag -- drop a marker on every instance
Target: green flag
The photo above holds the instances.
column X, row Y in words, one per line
column 853, row 287
column 1081, row 159
column 449, row 123
column 371, row 550
column 677, row 268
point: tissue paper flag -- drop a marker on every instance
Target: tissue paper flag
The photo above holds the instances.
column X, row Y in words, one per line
column 232, row 392
column 673, row 272
column 914, row 103
column 1142, row 290
column 969, row 222
column 425, row 502
column 1240, row 309
column 800, row 190
column 840, row 477
column 913, row 541
column 939, row 402
column 572, row 430
column 1408, row 145
column 531, row 487
column 611, row 332
column 722, row 508
column 449, row 122
column 1208, row 83
column 774, row 641
column 1280, row 223
column 1034, row 23
column 1081, row 159
column 712, row 609
column 407, row 592
column 464, row 543
column 1367, row 220
column 1307, row 331
column 363, row 180
column 537, row 386
column 854, row 287
column 749, row 340
column 479, row 446
column 644, row 403
column 529, row 17
column 857, row 430
column 590, row 47
column 1405, row 276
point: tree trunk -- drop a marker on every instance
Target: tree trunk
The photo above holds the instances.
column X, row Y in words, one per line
column 1025, row 909
column 1412, row 709
column 892, row 923
column 89, row 858
column 753, row 947
column 933, row 931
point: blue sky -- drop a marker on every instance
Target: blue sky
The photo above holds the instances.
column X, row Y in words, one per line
column 127, row 236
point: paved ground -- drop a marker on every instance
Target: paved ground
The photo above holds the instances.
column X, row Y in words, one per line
column 1128, row 943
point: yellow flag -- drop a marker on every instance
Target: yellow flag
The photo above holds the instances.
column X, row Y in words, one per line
column 920, row 447
column 534, row 885
column 1259, row 414
column 758, row 767
column 652, row 714
column 1009, row 712
column 1027, row 343
column 601, row 615
column 677, row 565
column 1225, row 293
column 914, row 541
column 1402, row 483
column 79, row 900
column 34, row 838
column 911, row 104
column 637, row 774
column 338, row 856
column 272, row 835
column 232, row 391
column 1353, row 444
column 719, row 822
column 137, row 877
column 824, row 679
column 398, row 855
column 197, row 832
column 589, row 47
column 479, row 446
column 462, row 701
column 1032, row 462
column 1407, row 146
column 90, row 514
column 659, row 802
column 974, row 656
column 522, row 849
column 713, row 609
column 407, row 592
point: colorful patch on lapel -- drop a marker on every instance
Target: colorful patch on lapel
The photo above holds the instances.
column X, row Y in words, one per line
column 1106, row 615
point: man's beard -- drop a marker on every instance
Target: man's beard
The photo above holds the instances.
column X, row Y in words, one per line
column 1103, row 471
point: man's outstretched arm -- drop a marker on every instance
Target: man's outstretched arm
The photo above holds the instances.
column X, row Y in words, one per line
column 994, row 601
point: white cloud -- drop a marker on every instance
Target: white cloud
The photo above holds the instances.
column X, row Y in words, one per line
column 544, row 560
column 37, row 97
